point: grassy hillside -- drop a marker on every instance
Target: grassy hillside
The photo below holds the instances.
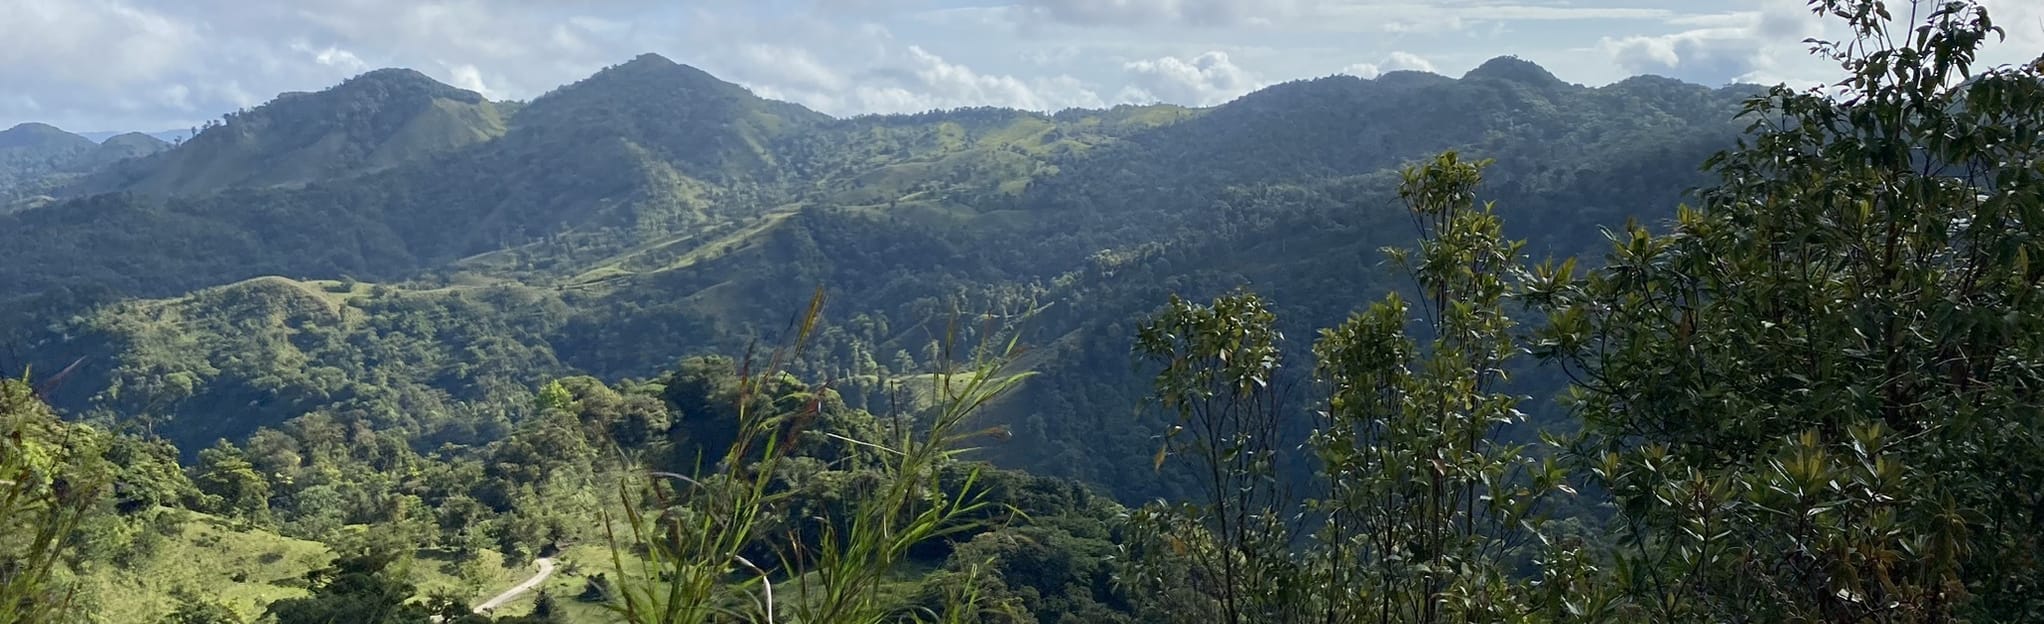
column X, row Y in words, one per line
column 280, row 347
column 242, row 568
column 246, row 568
column 371, row 122
column 652, row 211
column 38, row 158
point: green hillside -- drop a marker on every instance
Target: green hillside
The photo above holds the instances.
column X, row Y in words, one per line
column 282, row 347
column 651, row 212
column 36, row 159
column 370, row 122
column 241, row 568
column 1414, row 348
column 246, row 568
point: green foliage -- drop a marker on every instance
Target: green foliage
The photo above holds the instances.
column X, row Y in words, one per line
column 1428, row 511
column 229, row 485
column 1809, row 401
column 193, row 608
column 832, row 559
column 37, row 158
column 1815, row 388
column 53, row 479
column 1426, row 514
column 361, row 588
column 653, row 212
column 1219, row 369
column 369, row 122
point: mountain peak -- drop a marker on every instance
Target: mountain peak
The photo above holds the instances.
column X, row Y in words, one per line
column 647, row 80
column 39, row 134
column 650, row 59
column 134, row 137
column 398, row 80
column 1514, row 69
column 657, row 68
column 373, row 121
column 395, row 76
column 679, row 112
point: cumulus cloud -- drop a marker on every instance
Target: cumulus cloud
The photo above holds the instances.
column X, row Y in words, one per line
column 95, row 43
column 1204, row 80
column 912, row 79
column 792, row 67
column 1747, row 46
column 1396, row 61
column 957, row 83
column 470, row 77
column 155, row 64
column 330, row 56
column 1391, row 16
column 106, row 64
column 2024, row 23
column 1764, row 44
column 1163, row 12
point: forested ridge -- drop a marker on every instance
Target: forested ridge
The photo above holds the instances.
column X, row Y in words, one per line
column 1412, row 348
column 651, row 212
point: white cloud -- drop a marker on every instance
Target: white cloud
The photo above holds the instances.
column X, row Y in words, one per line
column 792, row 67
column 1203, row 80
column 153, row 64
column 176, row 96
column 1392, row 16
column 1396, row 61
column 2023, row 20
column 1365, row 71
column 1525, row 12
column 1407, row 60
column 93, row 43
column 470, row 77
column 1762, row 45
column 1163, row 12
column 938, row 83
column 950, row 81
column 907, row 79
column 330, row 56
column 1058, row 55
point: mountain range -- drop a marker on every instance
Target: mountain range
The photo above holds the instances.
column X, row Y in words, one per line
column 414, row 257
column 36, row 157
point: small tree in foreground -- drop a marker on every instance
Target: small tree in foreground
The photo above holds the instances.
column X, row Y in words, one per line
column 699, row 558
column 1424, row 515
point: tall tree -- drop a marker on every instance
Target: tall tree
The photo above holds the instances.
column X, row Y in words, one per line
column 1425, row 515
column 1219, row 385
column 230, row 484
column 1816, row 398
column 357, row 588
column 1428, row 510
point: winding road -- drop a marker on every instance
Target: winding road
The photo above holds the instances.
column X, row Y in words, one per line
column 546, row 569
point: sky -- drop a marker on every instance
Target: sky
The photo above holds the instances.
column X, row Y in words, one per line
column 99, row 65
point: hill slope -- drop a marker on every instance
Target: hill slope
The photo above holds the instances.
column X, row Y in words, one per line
column 371, row 122
column 30, row 152
column 653, row 211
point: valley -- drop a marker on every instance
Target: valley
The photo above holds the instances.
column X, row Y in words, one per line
column 650, row 347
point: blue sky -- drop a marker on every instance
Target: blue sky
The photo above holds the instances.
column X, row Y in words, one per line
column 92, row 65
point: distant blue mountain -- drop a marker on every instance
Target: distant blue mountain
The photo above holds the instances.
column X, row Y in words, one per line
column 171, row 136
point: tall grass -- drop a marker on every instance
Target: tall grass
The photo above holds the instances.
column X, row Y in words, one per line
column 51, row 478
column 687, row 564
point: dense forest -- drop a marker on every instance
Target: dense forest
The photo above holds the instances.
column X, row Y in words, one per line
column 1495, row 348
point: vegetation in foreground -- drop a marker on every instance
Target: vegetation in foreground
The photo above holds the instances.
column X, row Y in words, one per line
column 1809, row 401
